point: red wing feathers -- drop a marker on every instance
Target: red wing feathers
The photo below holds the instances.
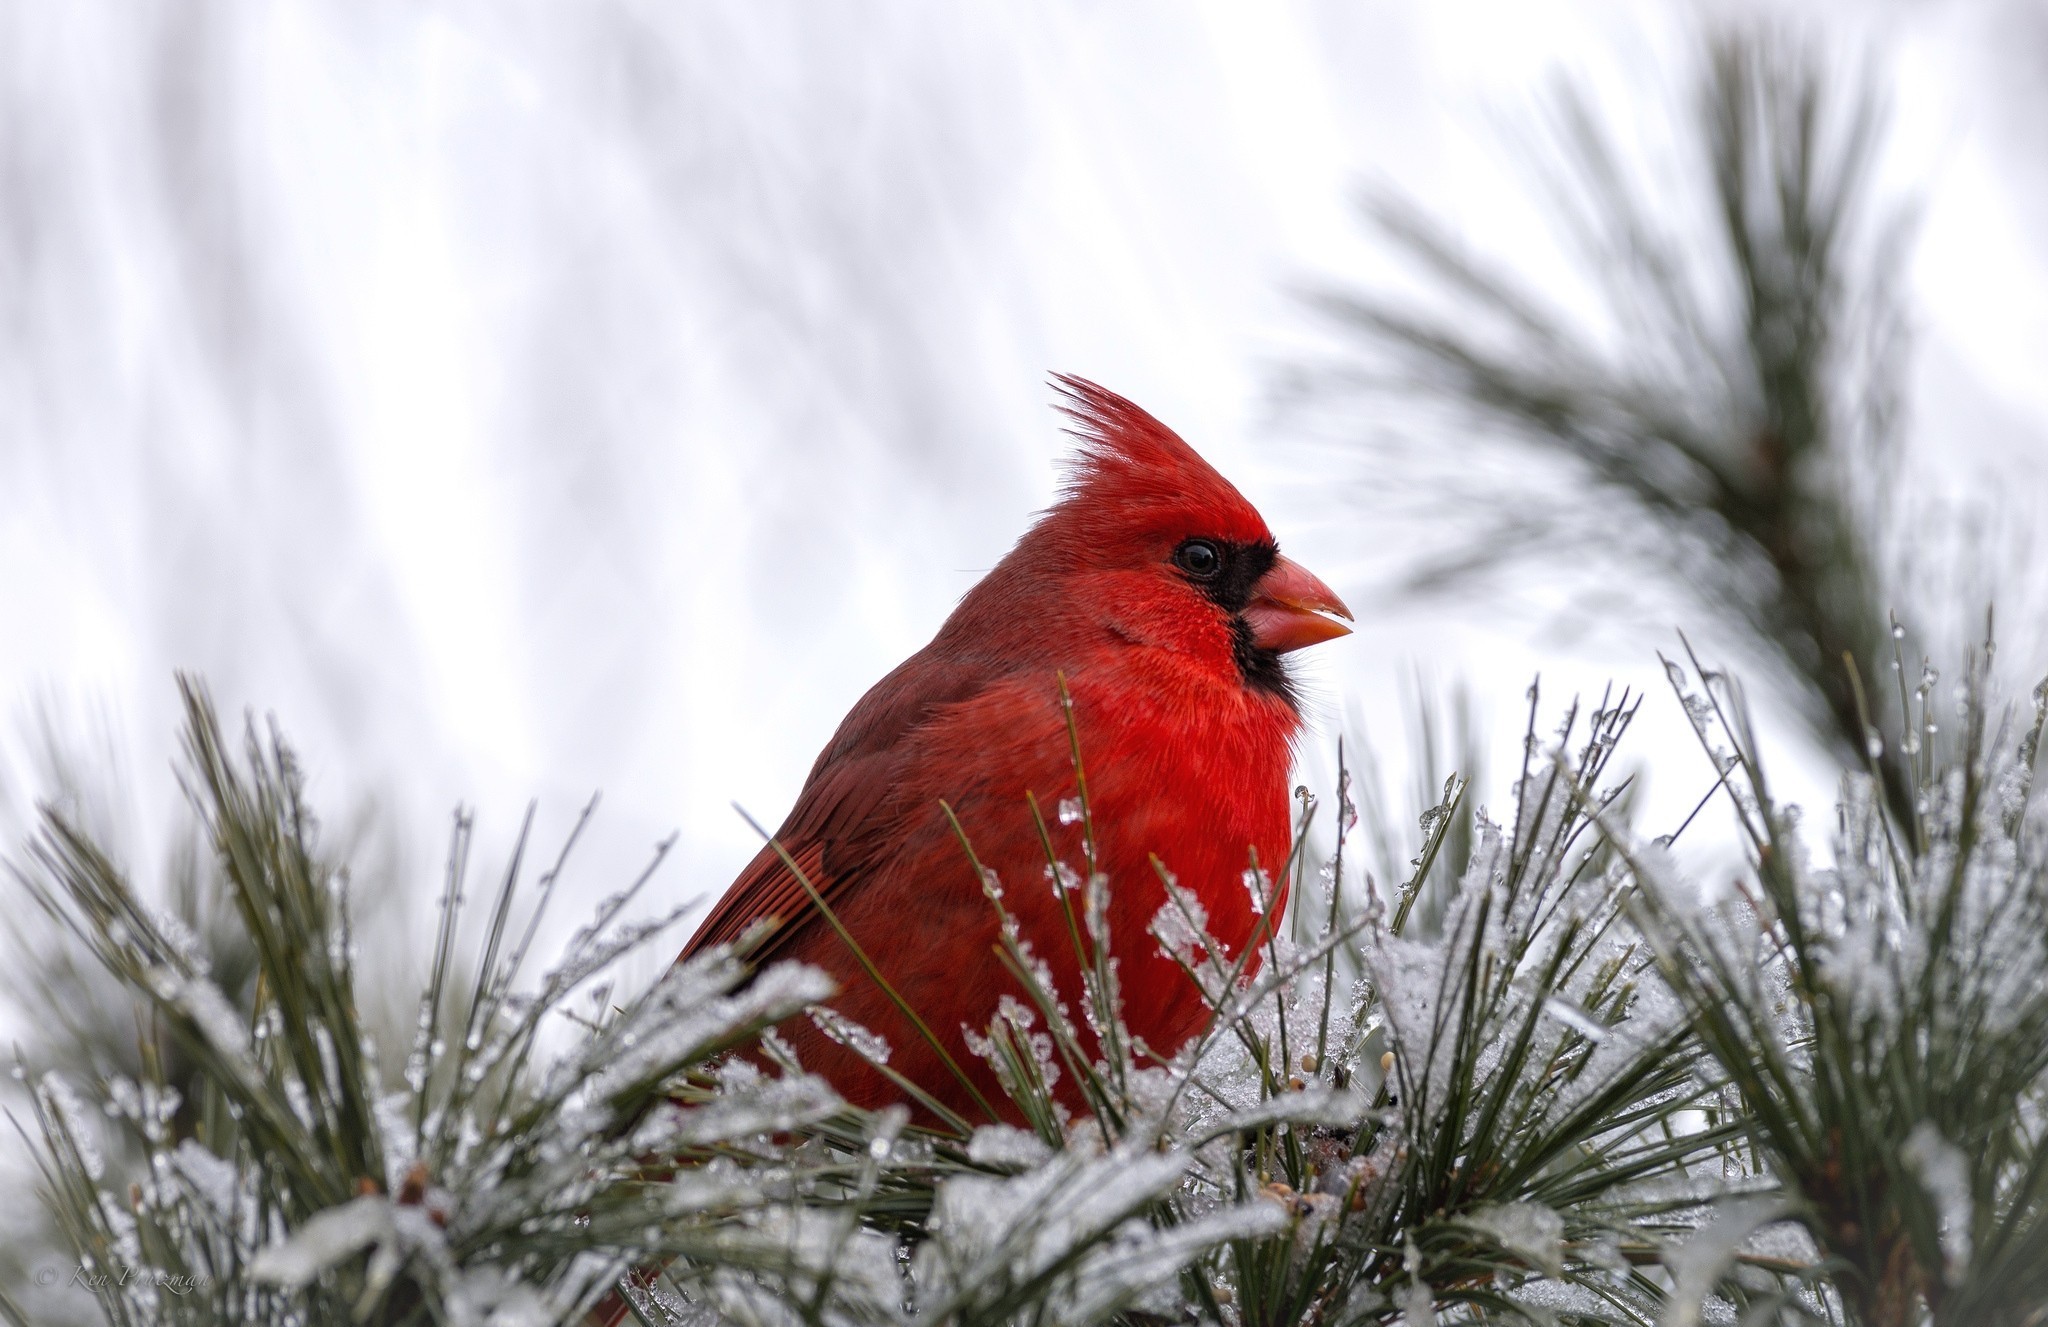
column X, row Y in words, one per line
column 844, row 821
column 766, row 889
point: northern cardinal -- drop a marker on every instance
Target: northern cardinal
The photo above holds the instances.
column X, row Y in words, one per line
column 1160, row 596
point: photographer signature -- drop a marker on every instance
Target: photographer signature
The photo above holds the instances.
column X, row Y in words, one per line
column 86, row 1277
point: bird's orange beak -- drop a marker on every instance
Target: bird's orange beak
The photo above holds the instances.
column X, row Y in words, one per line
column 1288, row 608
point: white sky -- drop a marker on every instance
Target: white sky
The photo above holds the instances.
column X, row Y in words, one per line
column 522, row 399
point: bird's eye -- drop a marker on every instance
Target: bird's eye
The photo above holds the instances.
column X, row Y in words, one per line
column 1198, row 558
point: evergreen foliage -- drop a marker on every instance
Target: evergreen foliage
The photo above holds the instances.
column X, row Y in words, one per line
column 1556, row 1085
column 1729, row 404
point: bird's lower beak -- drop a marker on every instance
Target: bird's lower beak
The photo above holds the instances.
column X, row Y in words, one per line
column 1288, row 609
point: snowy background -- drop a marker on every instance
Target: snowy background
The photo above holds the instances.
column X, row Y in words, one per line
column 524, row 399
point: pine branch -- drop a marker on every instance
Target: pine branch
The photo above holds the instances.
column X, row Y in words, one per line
column 1885, row 1021
column 1735, row 416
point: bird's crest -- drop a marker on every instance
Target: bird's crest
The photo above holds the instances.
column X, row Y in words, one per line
column 1133, row 469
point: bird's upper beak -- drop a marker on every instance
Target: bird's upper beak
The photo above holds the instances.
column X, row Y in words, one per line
column 1288, row 607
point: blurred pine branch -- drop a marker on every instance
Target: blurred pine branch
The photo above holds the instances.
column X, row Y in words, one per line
column 1732, row 411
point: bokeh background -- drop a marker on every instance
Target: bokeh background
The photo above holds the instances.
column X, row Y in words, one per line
column 519, row 400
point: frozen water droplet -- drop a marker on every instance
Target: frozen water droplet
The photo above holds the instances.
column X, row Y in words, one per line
column 1873, row 744
column 1070, row 810
column 879, row 1149
column 1258, row 886
column 1898, row 632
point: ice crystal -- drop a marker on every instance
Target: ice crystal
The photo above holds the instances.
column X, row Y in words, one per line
column 1944, row 1173
column 1259, row 886
column 1528, row 1230
column 211, row 1014
column 325, row 1239
column 870, row 1046
column 1421, row 1007
column 1007, row 1147
column 683, row 1019
column 1699, row 1263
column 213, row 1179
column 77, row 1124
column 1068, row 1225
column 767, row 1106
column 1418, row 1304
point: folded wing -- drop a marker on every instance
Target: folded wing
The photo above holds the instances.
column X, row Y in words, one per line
column 851, row 814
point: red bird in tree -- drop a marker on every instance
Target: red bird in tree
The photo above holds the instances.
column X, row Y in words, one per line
column 1159, row 595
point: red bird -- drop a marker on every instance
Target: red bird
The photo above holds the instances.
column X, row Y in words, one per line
column 1161, row 596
